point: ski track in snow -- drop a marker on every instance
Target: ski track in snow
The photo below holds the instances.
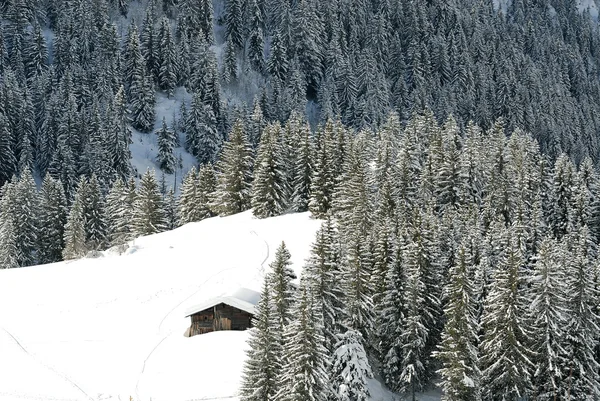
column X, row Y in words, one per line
column 176, row 307
column 262, row 264
column 63, row 376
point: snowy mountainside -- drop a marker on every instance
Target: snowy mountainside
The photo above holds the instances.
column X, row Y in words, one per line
column 112, row 327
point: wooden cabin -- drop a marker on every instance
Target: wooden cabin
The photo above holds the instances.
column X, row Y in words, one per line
column 233, row 312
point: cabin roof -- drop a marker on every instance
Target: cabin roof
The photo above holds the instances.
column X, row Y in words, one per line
column 243, row 299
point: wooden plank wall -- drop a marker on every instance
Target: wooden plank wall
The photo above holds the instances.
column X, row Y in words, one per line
column 220, row 317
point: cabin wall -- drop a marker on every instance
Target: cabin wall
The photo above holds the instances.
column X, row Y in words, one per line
column 220, row 317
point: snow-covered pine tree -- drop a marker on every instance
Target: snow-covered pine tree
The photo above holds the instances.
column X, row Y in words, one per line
column 167, row 58
column 209, row 139
column 580, row 375
column 448, row 177
column 142, row 97
column 119, row 137
column 282, row 289
column 350, row 368
column 9, row 251
column 7, row 155
column 170, row 202
column 119, row 211
column 256, row 40
column 323, row 273
column 234, row 174
column 148, row 212
column 149, row 43
column 302, row 170
column 505, row 359
column 94, row 215
column 196, row 191
column 230, row 67
column 549, row 313
column 269, row 188
column 458, row 348
column 25, row 213
column 52, row 221
column 75, row 246
column 304, row 376
column 187, row 208
column 166, row 144
column 263, row 364
column 322, row 181
column 234, row 22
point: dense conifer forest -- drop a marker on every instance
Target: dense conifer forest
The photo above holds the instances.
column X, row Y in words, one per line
column 450, row 147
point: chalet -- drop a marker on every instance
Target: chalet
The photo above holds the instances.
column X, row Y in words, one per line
column 228, row 312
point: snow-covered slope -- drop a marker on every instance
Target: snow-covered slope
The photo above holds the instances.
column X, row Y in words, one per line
column 112, row 327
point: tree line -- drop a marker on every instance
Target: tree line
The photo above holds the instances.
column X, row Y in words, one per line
column 465, row 258
column 73, row 83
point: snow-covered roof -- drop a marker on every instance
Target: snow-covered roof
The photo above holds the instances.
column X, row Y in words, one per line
column 243, row 299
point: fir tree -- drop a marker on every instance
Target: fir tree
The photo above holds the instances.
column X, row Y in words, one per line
column 148, row 213
column 505, row 358
column 166, row 143
column 167, row 62
column 549, row 311
column 269, row 188
column 304, row 376
column 75, row 246
column 282, row 288
column 52, row 221
column 351, row 369
column 232, row 194
column 119, row 211
column 9, row 251
column 458, row 348
column 262, row 363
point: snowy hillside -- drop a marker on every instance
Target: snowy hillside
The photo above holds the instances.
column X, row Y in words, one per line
column 112, row 327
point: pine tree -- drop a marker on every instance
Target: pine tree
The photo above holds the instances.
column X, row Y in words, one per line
column 282, row 288
column 52, row 221
column 549, row 311
column 148, row 213
column 322, row 273
column 351, row 368
column 25, row 213
column 255, row 37
column 119, row 211
column 234, row 22
column 262, row 364
column 581, row 377
column 232, row 194
column 278, row 64
column 505, row 358
column 322, row 182
column 119, row 137
column 166, row 144
column 75, row 246
column 302, row 170
column 7, row 156
column 229, row 72
column 170, row 201
column 304, row 376
column 458, row 348
column 167, row 62
column 269, row 187
column 196, row 191
column 150, row 45
column 9, row 251
column 94, row 214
